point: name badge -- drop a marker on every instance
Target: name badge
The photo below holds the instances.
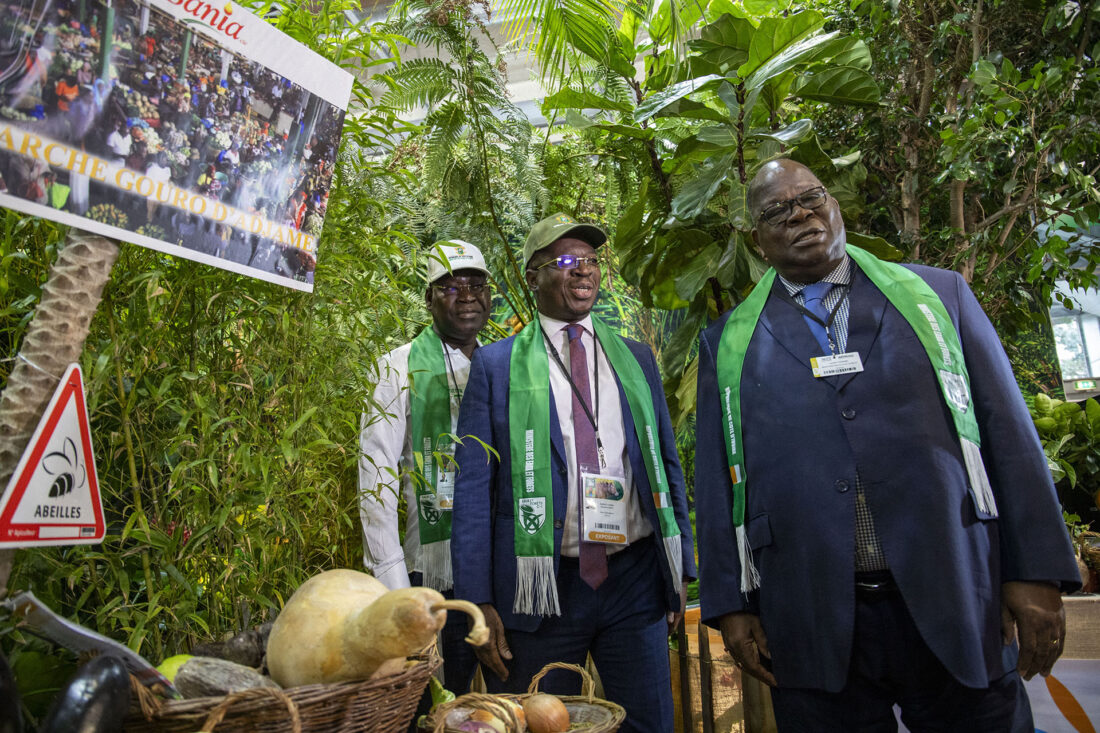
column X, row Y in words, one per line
column 603, row 511
column 830, row 366
column 445, row 489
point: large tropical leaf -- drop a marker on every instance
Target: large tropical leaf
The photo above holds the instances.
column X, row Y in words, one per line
column 571, row 98
column 791, row 135
column 838, row 85
column 694, row 276
column 690, row 201
column 662, row 99
column 778, row 38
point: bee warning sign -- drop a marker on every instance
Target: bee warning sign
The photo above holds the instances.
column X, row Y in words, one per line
column 53, row 496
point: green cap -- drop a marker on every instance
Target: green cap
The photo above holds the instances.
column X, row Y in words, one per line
column 557, row 226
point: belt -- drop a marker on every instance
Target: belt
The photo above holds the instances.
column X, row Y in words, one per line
column 875, row 583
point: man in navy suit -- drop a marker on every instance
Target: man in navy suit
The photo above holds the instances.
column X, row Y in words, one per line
column 876, row 520
column 572, row 534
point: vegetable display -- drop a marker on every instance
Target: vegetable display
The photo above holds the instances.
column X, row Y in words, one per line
column 344, row 625
column 95, row 700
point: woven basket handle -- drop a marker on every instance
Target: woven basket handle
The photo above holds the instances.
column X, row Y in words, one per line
column 220, row 711
column 588, row 685
column 149, row 703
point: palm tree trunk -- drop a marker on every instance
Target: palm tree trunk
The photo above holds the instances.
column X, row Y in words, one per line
column 54, row 340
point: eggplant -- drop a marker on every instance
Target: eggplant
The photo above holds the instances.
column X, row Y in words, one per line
column 95, row 701
column 11, row 712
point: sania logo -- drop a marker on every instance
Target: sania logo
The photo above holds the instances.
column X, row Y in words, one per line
column 217, row 19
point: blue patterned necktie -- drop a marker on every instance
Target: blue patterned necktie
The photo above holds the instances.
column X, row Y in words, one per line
column 814, row 295
column 592, row 555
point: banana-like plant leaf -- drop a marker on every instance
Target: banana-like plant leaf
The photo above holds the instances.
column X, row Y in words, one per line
column 877, row 246
column 778, row 40
column 791, row 135
column 838, row 85
column 690, row 201
column 571, row 98
column 662, row 99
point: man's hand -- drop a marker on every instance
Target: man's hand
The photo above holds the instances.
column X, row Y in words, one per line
column 745, row 641
column 493, row 652
column 1035, row 611
column 675, row 617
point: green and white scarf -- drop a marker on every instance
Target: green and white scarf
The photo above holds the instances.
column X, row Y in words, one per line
column 430, row 430
column 532, row 483
column 926, row 315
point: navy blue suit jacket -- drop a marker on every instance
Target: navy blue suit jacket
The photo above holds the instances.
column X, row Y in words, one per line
column 482, row 528
column 805, row 439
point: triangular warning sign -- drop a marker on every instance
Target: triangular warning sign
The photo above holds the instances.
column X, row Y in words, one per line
column 53, row 496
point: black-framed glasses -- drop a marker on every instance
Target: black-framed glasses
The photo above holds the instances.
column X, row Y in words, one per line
column 452, row 290
column 777, row 213
column 570, row 262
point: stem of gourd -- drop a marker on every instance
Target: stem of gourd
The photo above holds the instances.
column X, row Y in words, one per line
column 479, row 633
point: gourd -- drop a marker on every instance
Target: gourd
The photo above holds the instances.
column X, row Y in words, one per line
column 344, row 625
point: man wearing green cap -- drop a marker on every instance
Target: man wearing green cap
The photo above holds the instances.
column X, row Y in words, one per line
column 572, row 533
column 405, row 445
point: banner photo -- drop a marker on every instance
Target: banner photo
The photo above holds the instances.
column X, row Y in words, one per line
column 190, row 127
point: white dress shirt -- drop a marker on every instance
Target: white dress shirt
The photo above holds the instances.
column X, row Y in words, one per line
column 385, row 453
column 609, row 416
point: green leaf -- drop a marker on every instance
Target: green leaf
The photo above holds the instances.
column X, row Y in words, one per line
column 838, row 85
column 779, row 42
column 694, row 196
column 662, row 99
column 731, row 31
column 793, row 134
column 763, row 7
column 690, row 109
column 720, row 135
column 983, row 74
column 573, row 99
column 638, row 133
column 701, row 267
column 877, row 246
column 573, row 118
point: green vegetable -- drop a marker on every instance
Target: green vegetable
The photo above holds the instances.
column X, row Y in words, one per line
column 95, row 701
column 11, row 716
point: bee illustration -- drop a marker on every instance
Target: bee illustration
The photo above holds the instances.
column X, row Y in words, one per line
column 66, row 466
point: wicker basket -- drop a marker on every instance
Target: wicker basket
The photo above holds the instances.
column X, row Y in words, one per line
column 593, row 714
column 384, row 705
column 1090, row 549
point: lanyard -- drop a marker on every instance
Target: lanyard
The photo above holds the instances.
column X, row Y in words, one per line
column 594, row 419
column 828, row 322
column 451, row 368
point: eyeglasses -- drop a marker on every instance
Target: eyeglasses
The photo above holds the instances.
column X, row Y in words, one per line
column 777, row 213
column 452, row 290
column 570, row 262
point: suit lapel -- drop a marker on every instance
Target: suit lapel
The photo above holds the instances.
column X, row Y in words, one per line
column 866, row 308
column 788, row 328
column 557, row 461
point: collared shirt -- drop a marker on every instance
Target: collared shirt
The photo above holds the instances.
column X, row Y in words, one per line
column 609, row 415
column 385, row 454
column 841, row 275
column 868, row 547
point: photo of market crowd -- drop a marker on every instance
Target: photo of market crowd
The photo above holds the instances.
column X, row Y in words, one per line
column 166, row 103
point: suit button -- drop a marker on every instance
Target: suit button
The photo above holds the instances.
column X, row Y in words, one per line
column 558, row 524
column 849, row 413
column 563, row 472
column 841, row 485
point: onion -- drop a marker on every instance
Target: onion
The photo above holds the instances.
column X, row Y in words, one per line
column 546, row 714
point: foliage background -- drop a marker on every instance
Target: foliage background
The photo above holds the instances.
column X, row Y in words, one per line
column 225, row 410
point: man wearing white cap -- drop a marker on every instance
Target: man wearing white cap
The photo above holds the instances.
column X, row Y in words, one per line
column 405, row 440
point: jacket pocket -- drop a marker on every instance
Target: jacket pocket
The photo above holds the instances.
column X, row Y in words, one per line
column 759, row 529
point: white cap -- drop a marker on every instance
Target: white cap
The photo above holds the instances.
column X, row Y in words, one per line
column 450, row 255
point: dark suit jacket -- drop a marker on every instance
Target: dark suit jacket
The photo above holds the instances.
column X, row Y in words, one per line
column 482, row 528
column 805, row 438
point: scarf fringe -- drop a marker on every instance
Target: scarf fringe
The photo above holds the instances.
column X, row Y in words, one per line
column 979, row 479
column 674, row 553
column 750, row 578
column 536, row 587
column 435, row 564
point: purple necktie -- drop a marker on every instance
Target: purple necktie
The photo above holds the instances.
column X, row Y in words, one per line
column 593, row 557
